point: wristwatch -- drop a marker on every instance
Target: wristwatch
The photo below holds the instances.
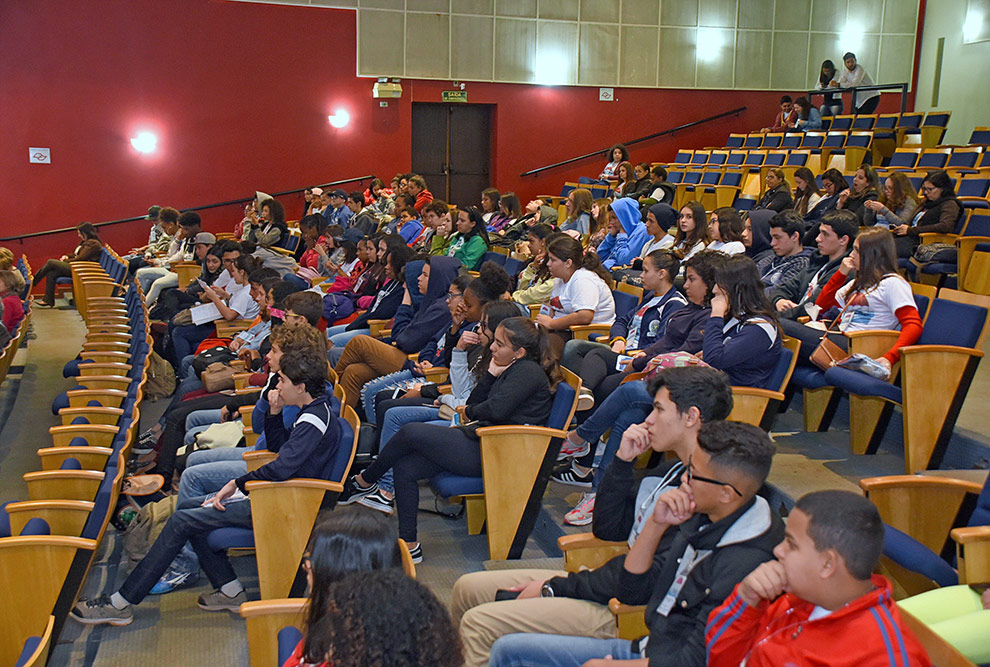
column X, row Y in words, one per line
column 546, row 590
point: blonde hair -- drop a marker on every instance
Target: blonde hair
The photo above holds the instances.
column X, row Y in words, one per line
column 6, row 258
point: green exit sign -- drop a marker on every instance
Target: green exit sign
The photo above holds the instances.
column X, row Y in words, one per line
column 454, row 96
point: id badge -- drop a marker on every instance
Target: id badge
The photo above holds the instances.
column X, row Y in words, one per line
column 545, row 309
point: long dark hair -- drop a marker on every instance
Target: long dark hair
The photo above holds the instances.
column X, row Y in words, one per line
column 700, row 232
column 625, row 152
column 544, row 232
column 664, row 260
column 494, row 314
column 479, row 228
column 523, row 333
column 877, row 258
column 739, row 278
column 822, row 78
column 706, row 264
column 564, row 247
column 350, row 251
column 344, row 542
column 88, row 231
column 207, row 276
column 730, row 224
column 940, row 179
column 805, row 107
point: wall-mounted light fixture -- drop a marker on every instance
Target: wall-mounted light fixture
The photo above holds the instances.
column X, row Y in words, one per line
column 340, row 118
column 144, row 142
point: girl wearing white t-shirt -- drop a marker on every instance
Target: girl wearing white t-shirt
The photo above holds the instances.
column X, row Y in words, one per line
column 692, row 231
column 877, row 298
column 582, row 292
column 726, row 229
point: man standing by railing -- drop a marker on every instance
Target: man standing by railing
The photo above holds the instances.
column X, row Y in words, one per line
column 863, row 101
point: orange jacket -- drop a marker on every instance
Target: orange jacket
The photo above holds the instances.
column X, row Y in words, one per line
column 865, row 633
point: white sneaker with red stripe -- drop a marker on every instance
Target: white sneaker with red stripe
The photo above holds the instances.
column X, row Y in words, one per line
column 571, row 450
column 583, row 513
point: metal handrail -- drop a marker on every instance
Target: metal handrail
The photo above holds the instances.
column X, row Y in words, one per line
column 194, row 208
column 685, row 126
column 903, row 87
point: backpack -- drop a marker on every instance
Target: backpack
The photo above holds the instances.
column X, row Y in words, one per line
column 337, row 306
column 161, row 378
column 145, row 527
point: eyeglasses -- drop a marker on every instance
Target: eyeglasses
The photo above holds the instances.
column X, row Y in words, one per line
column 454, row 295
column 692, row 477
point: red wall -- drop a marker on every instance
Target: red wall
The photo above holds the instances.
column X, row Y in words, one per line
column 239, row 95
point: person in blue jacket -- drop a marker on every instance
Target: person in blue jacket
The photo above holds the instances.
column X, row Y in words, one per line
column 631, row 234
column 635, row 329
column 365, row 358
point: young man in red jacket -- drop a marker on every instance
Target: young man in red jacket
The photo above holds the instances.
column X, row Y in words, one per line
column 817, row 603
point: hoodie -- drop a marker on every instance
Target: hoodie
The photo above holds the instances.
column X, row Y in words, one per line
column 414, row 328
column 631, row 239
column 709, row 559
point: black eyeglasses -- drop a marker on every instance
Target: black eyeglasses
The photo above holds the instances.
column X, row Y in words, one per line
column 692, row 477
column 454, row 295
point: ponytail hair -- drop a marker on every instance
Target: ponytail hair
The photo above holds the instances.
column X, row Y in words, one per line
column 565, row 247
column 523, row 333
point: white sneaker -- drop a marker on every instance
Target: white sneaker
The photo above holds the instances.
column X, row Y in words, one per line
column 583, row 513
column 586, row 400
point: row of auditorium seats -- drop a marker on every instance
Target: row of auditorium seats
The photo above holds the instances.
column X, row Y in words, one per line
column 8, row 352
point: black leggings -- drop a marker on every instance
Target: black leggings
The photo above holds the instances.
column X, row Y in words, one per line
column 420, row 451
column 52, row 270
column 809, row 338
column 597, row 365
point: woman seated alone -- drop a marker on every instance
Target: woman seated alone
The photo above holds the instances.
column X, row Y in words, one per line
column 877, row 298
column 939, row 213
column 469, row 242
column 778, row 193
column 89, row 249
column 515, row 390
column 726, row 228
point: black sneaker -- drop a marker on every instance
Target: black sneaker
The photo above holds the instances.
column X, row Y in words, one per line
column 574, row 478
column 378, row 501
column 417, row 553
column 354, row 492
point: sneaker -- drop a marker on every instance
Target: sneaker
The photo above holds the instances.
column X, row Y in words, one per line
column 354, row 492
column 570, row 450
column 586, row 400
column 417, row 553
column 217, row 601
column 582, row 514
column 173, row 580
column 376, row 500
column 573, row 477
column 100, row 611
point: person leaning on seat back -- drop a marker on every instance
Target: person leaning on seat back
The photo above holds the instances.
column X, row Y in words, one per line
column 89, row 249
column 854, row 75
column 817, row 602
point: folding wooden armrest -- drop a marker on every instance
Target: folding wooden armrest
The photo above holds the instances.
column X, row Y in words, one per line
column 107, row 398
column 265, row 618
column 105, row 356
column 934, row 237
column 241, row 380
column 511, row 457
column 92, row 415
column 630, row 621
column 749, row 405
column 534, row 310
column 581, row 331
column 445, row 389
column 229, row 328
column 923, row 507
column 584, row 551
column 33, row 571
column 108, row 345
column 283, row 514
column 437, row 374
column 107, row 337
column 63, row 484
column 64, row 517
column 238, row 364
column 96, row 435
column 90, row 458
column 247, row 390
column 246, row 411
column 258, row 458
column 973, row 553
column 114, row 368
column 377, row 328
column 101, row 382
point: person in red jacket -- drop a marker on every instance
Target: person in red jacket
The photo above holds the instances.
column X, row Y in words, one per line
column 417, row 188
column 817, row 604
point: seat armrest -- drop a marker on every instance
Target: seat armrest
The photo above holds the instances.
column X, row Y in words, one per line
column 630, row 620
column 973, row 553
column 258, row 458
column 582, row 331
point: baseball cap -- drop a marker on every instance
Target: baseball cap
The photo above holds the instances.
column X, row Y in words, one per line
column 204, row 238
column 153, row 212
column 317, row 191
column 339, row 193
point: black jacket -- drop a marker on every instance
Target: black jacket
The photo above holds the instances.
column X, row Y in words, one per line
column 795, row 288
column 778, row 199
column 735, row 546
column 520, row 395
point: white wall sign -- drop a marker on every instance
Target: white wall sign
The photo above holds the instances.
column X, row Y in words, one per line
column 606, row 94
column 40, row 155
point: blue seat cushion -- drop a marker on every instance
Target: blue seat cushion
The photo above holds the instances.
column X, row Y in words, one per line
column 63, row 281
column 447, row 484
column 288, row 638
column 935, row 268
column 4, row 520
column 59, row 402
column 71, row 369
column 808, row 378
column 862, row 384
column 231, row 537
column 915, row 556
column 30, row 646
column 36, row 526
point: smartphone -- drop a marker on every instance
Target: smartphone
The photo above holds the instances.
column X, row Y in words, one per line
column 456, row 419
column 620, row 364
column 202, row 283
column 502, row 594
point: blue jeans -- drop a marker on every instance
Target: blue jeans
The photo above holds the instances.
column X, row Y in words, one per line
column 190, row 523
column 629, row 404
column 188, row 381
column 206, row 472
column 199, row 421
column 372, row 387
column 339, row 337
column 394, row 419
column 536, row 650
column 186, row 339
